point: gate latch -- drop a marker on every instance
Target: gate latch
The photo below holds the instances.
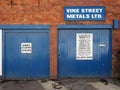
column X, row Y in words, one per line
column 102, row 44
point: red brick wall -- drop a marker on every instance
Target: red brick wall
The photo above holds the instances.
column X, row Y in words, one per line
column 51, row 12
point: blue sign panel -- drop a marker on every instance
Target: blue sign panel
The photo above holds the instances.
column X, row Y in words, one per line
column 84, row 13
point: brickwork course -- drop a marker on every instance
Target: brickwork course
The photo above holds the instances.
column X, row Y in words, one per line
column 51, row 12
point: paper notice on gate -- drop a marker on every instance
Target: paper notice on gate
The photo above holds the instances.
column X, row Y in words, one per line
column 84, row 46
column 26, row 47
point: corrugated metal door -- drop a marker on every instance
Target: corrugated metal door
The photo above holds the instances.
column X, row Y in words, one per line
column 31, row 61
column 38, row 61
column 15, row 60
column 97, row 65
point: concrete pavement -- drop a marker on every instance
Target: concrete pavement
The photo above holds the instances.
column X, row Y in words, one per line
column 62, row 84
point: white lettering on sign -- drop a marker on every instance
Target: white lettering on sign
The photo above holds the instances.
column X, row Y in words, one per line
column 72, row 10
column 78, row 16
column 97, row 10
column 96, row 16
column 84, row 16
column 26, row 47
column 84, row 46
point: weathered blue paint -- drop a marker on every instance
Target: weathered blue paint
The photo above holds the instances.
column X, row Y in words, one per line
column 86, row 27
column 24, row 27
column 115, row 24
column 101, row 64
column 15, row 66
column 25, row 65
column 38, row 61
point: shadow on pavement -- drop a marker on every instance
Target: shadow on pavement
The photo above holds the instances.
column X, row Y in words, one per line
column 20, row 85
column 77, row 83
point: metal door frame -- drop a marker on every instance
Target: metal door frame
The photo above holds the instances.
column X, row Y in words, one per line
column 89, row 27
column 19, row 28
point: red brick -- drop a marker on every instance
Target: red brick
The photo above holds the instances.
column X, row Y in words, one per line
column 53, row 51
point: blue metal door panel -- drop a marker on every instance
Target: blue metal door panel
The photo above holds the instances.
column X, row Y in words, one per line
column 27, row 65
column 38, row 65
column 15, row 60
column 100, row 66
column 106, row 52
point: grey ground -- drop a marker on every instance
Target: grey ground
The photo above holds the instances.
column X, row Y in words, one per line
column 62, row 84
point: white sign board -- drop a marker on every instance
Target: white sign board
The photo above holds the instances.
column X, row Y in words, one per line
column 84, row 46
column 26, row 47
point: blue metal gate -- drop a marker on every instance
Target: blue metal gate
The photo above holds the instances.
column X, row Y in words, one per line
column 26, row 53
column 96, row 65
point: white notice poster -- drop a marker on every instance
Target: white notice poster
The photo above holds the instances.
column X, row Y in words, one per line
column 84, row 46
column 26, row 47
